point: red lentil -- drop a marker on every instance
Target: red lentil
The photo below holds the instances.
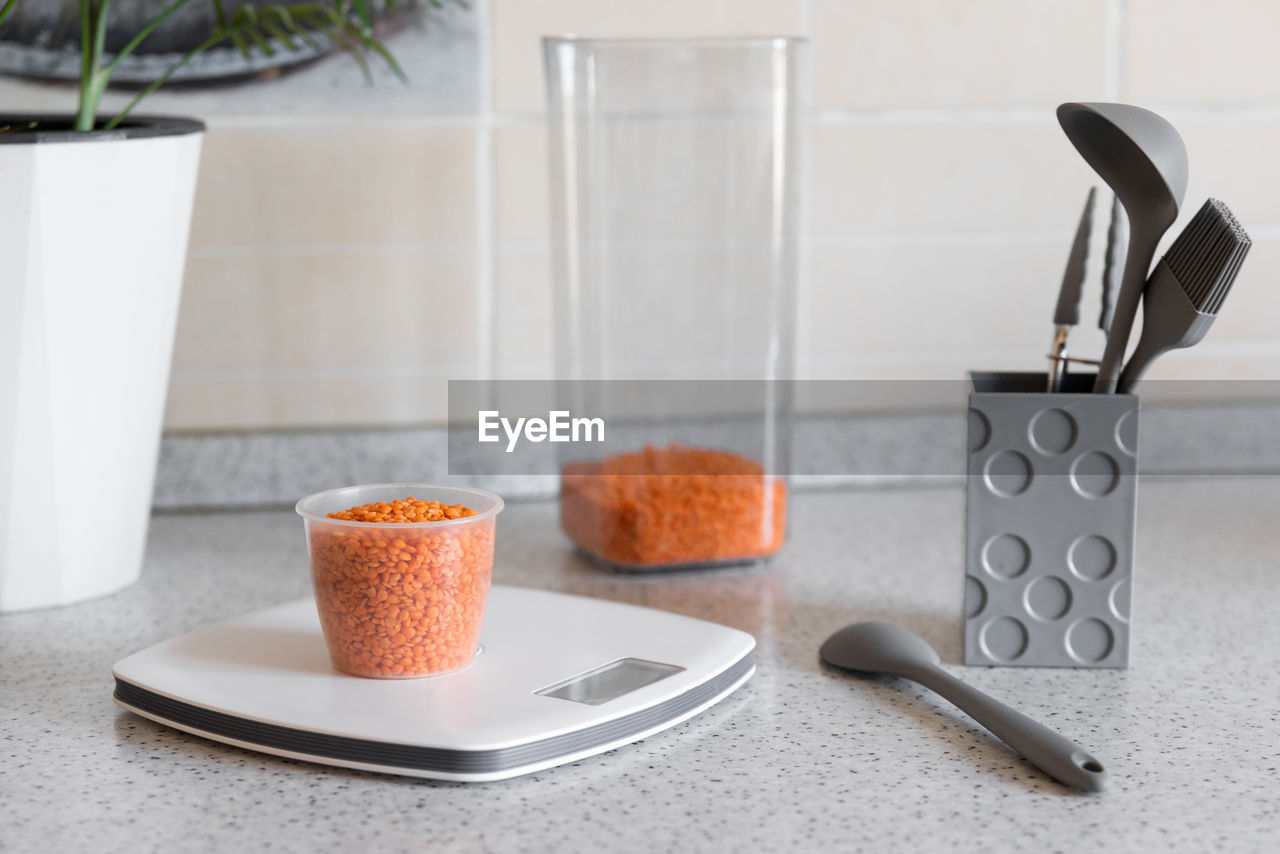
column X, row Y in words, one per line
column 672, row 506
column 401, row 602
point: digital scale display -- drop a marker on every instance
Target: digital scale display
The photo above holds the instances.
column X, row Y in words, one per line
column 610, row 681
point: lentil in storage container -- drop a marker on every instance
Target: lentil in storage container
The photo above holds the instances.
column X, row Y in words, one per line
column 673, row 506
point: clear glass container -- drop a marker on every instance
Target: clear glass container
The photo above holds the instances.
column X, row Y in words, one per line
column 675, row 187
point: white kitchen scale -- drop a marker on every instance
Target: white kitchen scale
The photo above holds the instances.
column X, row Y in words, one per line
column 558, row 678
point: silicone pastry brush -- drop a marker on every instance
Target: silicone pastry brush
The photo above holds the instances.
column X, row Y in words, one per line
column 1188, row 287
column 1067, row 314
column 1112, row 263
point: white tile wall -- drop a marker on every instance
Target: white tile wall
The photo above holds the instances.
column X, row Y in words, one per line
column 932, row 53
column 520, row 185
column 344, row 185
column 1191, row 52
column 300, row 336
column 523, row 345
column 931, row 175
column 355, row 248
column 515, row 28
column 883, row 297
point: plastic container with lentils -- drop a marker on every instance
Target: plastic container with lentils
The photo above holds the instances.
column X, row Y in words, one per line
column 401, row 574
column 673, row 507
column 676, row 193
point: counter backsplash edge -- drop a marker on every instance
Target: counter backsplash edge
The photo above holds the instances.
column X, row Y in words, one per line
column 272, row 469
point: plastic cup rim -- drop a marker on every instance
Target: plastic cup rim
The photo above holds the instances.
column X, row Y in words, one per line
column 417, row 489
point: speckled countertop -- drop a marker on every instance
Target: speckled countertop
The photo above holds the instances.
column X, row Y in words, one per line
column 800, row 758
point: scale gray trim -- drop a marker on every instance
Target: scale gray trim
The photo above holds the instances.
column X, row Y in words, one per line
column 400, row 756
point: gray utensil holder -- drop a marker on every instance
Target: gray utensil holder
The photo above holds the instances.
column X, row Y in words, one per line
column 1051, row 506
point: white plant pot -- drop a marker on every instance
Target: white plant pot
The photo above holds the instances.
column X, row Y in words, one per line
column 93, row 238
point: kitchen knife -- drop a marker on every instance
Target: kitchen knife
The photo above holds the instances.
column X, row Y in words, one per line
column 1067, row 313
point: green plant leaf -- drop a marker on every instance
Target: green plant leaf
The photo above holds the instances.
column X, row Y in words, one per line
column 242, row 45
column 373, row 45
column 364, row 13
column 344, row 24
column 93, row 33
column 147, row 30
column 6, row 9
column 280, row 34
column 344, row 39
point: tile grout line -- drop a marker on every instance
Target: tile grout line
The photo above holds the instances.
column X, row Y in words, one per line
column 486, row 314
column 325, row 120
column 1243, row 348
column 1113, row 87
column 976, row 114
column 1117, row 32
column 275, row 250
column 822, row 239
column 802, row 323
column 318, row 373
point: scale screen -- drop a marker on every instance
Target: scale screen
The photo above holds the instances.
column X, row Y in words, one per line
column 610, row 681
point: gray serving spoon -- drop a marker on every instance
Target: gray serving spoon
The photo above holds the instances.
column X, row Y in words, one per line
column 889, row 648
column 1144, row 161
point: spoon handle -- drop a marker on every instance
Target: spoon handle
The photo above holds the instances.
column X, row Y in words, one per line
column 1143, row 239
column 1059, row 757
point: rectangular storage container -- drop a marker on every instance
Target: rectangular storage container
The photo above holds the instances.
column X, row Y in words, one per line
column 675, row 193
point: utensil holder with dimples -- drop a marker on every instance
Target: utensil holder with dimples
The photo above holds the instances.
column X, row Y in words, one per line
column 1051, row 500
